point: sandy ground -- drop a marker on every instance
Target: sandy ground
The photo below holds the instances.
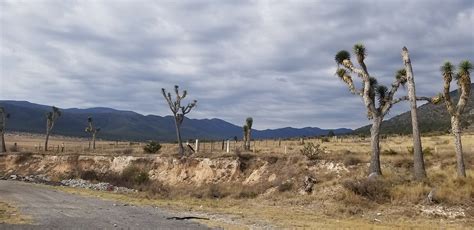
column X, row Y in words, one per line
column 52, row 209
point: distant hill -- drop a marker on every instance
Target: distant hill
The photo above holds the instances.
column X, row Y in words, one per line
column 128, row 125
column 431, row 118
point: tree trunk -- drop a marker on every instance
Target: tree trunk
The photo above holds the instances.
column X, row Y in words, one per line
column 374, row 140
column 178, row 136
column 248, row 139
column 456, row 129
column 3, row 147
column 93, row 141
column 46, row 142
column 418, row 161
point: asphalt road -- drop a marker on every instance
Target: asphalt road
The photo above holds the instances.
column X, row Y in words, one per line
column 51, row 209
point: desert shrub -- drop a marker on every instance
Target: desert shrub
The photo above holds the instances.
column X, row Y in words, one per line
column 403, row 163
column 216, row 192
column 285, row 186
column 127, row 151
column 152, row 147
column 134, row 175
column 389, row 152
column 142, row 177
column 373, row 189
column 426, row 151
column 271, row 159
column 89, row 175
column 325, row 139
column 131, row 177
column 351, row 160
column 311, row 151
column 22, row 157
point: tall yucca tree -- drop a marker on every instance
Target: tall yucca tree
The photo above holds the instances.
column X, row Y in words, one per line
column 92, row 130
column 378, row 99
column 51, row 118
column 3, row 123
column 464, row 89
column 418, row 161
column 247, row 128
column 178, row 112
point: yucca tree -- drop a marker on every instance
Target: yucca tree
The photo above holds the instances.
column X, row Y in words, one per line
column 418, row 161
column 247, row 132
column 178, row 112
column 3, row 122
column 464, row 89
column 378, row 99
column 92, row 130
column 51, row 118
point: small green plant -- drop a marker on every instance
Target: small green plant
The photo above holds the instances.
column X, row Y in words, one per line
column 351, row 160
column 311, row 151
column 426, row 151
column 89, row 175
column 390, row 152
column 152, row 147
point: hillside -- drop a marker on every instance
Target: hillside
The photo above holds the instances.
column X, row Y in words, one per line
column 431, row 118
column 128, row 125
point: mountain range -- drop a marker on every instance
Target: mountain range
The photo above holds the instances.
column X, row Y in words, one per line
column 128, row 125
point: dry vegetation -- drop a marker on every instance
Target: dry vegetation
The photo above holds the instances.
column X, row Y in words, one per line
column 342, row 195
column 10, row 215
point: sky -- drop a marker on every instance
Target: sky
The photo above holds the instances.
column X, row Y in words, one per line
column 270, row 60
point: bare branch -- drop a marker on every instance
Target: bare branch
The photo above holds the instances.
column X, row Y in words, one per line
column 405, row 98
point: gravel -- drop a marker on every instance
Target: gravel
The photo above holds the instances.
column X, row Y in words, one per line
column 75, row 183
column 101, row 186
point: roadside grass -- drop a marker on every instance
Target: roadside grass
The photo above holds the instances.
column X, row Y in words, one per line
column 277, row 211
column 11, row 215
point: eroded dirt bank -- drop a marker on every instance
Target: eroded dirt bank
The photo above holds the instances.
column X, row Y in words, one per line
column 242, row 169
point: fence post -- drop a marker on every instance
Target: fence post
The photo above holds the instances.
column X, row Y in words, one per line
column 228, row 146
column 196, row 146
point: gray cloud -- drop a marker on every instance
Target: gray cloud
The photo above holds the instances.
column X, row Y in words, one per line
column 269, row 60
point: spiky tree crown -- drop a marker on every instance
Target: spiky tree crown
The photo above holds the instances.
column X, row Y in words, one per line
column 359, row 50
column 341, row 56
column 465, row 67
column 447, row 69
column 249, row 122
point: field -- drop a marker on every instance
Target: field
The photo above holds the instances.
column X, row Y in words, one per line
column 441, row 145
column 341, row 197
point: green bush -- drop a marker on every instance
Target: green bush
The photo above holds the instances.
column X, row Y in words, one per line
column 152, row 147
column 389, row 152
column 311, row 151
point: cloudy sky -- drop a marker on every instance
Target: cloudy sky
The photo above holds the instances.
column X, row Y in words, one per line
column 272, row 60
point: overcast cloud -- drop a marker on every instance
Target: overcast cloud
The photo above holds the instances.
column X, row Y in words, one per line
column 272, row 60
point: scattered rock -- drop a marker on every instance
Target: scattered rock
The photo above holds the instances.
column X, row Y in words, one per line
column 308, row 184
column 102, row 186
column 438, row 210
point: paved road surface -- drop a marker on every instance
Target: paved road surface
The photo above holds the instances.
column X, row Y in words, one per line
column 51, row 209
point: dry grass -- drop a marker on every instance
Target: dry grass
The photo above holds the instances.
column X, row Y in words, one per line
column 11, row 215
column 239, row 214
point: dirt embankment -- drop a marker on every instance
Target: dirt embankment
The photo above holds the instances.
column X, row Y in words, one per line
column 247, row 170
